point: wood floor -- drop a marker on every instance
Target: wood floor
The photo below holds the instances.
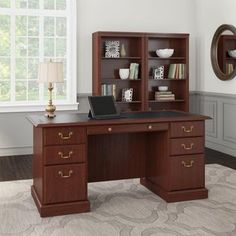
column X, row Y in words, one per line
column 20, row 167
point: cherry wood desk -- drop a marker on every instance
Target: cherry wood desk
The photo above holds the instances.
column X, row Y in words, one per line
column 164, row 149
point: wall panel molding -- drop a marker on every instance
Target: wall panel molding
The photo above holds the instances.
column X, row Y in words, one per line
column 221, row 130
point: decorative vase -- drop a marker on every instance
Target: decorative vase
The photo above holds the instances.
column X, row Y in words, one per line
column 124, row 73
column 122, row 51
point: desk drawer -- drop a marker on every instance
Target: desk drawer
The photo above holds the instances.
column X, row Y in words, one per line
column 182, row 146
column 64, row 135
column 64, row 154
column 187, row 129
column 65, row 183
column 187, row 172
column 127, row 128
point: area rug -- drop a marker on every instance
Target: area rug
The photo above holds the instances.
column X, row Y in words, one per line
column 126, row 208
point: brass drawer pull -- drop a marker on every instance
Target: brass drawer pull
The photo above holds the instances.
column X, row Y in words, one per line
column 188, row 165
column 150, row 127
column 187, row 130
column 109, row 129
column 65, row 157
column 65, row 137
column 187, row 148
column 65, row 176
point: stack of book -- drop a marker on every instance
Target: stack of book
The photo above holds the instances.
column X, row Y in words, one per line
column 133, row 70
column 177, row 71
column 164, row 96
column 109, row 89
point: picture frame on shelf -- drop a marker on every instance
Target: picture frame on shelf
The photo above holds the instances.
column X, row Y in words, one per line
column 127, row 94
column 158, row 72
column 112, row 49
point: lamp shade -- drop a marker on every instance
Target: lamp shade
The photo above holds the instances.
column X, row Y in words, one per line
column 50, row 72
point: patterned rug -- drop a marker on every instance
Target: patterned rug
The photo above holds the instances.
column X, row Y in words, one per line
column 126, row 208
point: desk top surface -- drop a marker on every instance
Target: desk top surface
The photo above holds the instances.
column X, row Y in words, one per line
column 127, row 118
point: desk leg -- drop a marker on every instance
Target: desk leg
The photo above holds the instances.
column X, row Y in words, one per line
column 59, row 208
column 175, row 196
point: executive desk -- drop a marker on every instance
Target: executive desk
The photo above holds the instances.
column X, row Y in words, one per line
column 164, row 149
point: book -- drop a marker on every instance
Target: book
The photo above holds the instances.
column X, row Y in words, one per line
column 165, row 96
column 165, row 99
column 136, row 71
column 163, row 92
column 131, row 70
column 108, row 89
column 176, row 71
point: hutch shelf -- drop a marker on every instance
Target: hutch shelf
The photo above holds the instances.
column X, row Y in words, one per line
column 140, row 48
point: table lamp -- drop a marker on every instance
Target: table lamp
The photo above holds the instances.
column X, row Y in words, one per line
column 50, row 72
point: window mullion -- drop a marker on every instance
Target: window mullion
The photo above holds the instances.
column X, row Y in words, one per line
column 12, row 56
column 41, row 52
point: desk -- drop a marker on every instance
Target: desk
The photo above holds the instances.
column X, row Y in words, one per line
column 164, row 149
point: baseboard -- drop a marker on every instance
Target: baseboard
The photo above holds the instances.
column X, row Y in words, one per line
column 221, row 148
column 16, row 151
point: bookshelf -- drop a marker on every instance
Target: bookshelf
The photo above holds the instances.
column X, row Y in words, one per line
column 140, row 48
column 226, row 63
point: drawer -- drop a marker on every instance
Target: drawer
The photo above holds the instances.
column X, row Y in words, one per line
column 187, row 129
column 126, row 128
column 64, row 135
column 180, row 146
column 187, row 172
column 64, row 154
column 65, row 183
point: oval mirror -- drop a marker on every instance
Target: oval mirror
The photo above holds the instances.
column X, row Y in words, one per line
column 223, row 52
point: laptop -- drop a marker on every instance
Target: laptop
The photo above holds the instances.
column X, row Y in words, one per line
column 103, row 107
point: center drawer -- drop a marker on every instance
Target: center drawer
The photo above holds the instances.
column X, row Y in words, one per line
column 126, row 128
column 64, row 154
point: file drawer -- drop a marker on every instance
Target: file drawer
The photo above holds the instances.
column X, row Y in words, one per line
column 65, row 183
column 187, row 172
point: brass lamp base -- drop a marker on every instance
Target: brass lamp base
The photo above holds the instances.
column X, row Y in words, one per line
column 50, row 109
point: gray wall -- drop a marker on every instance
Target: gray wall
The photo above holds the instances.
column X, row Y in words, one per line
column 221, row 129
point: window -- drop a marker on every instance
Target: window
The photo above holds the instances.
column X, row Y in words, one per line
column 32, row 31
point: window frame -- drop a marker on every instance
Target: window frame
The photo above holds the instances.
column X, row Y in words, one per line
column 71, row 102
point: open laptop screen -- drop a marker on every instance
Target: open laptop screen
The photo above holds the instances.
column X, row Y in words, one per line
column 102, row 106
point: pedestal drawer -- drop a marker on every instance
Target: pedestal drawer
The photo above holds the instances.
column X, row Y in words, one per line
column 65, row 183
column 187, row 172
column 64, row 154
column 182, row 146
column 64, row 135
column 187, row 129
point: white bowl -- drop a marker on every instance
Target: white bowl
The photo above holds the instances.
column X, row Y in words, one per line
column 124, row 73
column 232, row 53
column 165, row 53
column 162, row 88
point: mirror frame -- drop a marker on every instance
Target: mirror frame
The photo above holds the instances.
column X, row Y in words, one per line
column 214, row 49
